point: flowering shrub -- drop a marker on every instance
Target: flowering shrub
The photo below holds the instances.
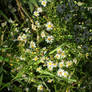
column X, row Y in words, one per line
column 48, row 49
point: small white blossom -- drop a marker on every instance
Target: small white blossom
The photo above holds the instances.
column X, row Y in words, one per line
column 43, row 34
column 50, row 67
column 22, row 58
column 33, row 27
column 24, row 36
column 68, row 63
column 4, row 24
column 40, row 87
column 49, row 26
column 63, row 54
column 50, row 80
column 55, row 64
column 49, row 63
column 11, row 21
column 36, row 13
column 36, row 58
column 39, row 9
column 61, row 64
column 49, row 39
column 60, row 72
column 32, row 45
column 57, row 56
column 59, row 51
column 44, row 2
column 20, row 38
column 75, row 60
column 27, row 89
column 65, row 74
column 38, row 69
column 37, row 24
column 26, row 29
column 28, row 51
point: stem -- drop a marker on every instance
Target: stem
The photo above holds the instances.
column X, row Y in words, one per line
column 2, row 38
column 46, row 86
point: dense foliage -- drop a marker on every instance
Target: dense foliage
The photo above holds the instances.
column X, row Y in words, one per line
column 45, row 45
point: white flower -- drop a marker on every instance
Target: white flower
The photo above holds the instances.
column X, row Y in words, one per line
column 49, row 63
column 11, row 21
column 32, row 45
column 37, row 24
column 43, row 34
column 28, row 50
column 63, row 54
column 36, row 13
column 44, row 2
column 49, row 39
column 22, row 58
column 75, row 60
column 38, row 69
column 61, row 64
column 59, row 51
column 50, row 80
column 65, row 74
column 55, row 64
column 50, row 67
column 60, row 72
column 27, row 89
column 40, row 87
column 68, row 63
column 24, row 36
column 26, row 29
column 43, row 58
column 39, row 9
column 20, row 38
column 57, row 56
column 36, row 58
column 49, row 26
column 4, row 24
column 33, row 27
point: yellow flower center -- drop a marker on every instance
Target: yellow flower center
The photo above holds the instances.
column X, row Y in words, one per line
column 61, row 65
column 63, row 54
column 49, row 26
column 44, row 3
column 35, row 58
column 49, row 39
column 60, row 73
column 35, row 13
column 59, row 51
column 65, row 74
column 49, row 63
column 69, row 63
column 41, row 88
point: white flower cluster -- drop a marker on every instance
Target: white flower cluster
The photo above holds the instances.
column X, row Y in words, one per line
column 22, row 37
column 60, row 54
column 39, row 10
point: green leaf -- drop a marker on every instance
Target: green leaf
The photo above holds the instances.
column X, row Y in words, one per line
column 32, row 4
column 1, row 58
column 5, row 85
column 1, row 69
column 1, row 13
column 6, row 59
column 31, row 7
column 1, row 78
